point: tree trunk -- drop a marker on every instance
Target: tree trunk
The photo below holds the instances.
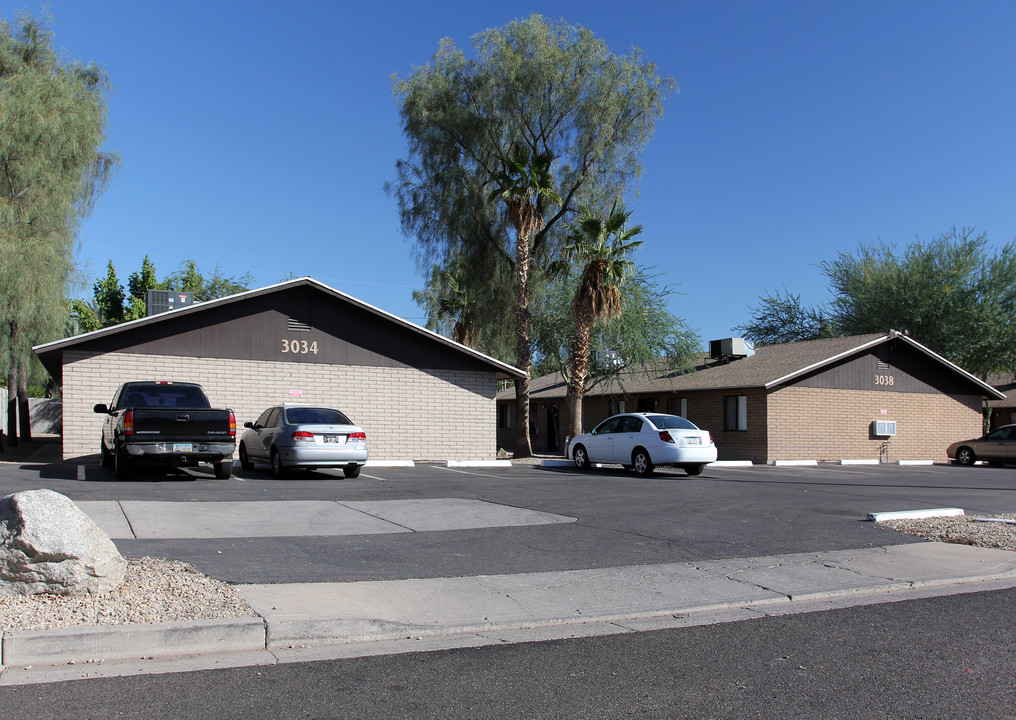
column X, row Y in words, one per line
column 523, row 349
column 12, row 384
column 579, row 370
column 24, row 413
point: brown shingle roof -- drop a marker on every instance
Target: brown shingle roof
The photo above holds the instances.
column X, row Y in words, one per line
column 1004, row 383
column 769, row 366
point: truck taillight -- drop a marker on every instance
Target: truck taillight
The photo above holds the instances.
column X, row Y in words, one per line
column 356, row 436
column 232, row 424
column 128, row 422
column 303, row 436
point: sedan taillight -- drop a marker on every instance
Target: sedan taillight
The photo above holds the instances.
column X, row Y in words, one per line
column 356, row 436
column 303, row 436
column 665, row 436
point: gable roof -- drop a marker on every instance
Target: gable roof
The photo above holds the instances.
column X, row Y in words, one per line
column 51, row 354
column 770, row 367
column 1004, row 383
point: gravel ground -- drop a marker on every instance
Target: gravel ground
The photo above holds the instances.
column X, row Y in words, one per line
column 157, row 590
column 154, row 590
column 981, row 530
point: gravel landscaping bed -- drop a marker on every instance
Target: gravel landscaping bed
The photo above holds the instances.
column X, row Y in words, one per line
column 153, row 591
column 990, row 531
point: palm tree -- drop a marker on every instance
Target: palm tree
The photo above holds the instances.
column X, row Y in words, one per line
column 601, row 247
column 526, row 186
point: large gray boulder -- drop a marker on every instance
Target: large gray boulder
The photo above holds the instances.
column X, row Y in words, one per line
column 47, row 545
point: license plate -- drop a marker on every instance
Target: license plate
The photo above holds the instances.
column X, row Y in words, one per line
column 694, row 441
column 183, row 447
column 335, row 438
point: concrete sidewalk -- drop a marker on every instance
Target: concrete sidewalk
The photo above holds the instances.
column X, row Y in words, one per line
column 301, row 622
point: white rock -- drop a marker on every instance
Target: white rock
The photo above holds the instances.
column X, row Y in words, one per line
column 47, row 545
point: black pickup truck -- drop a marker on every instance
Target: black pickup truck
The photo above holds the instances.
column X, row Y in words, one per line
column 165, row 424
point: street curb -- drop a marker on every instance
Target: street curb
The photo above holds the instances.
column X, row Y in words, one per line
column 126, row 642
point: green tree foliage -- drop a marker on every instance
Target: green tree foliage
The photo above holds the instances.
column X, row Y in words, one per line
column 84, row 318
column 189, row 279
column 781, row 318
column 463, row 300
column 645, row 336
column 53, row 120
column 138, row 285
column 948, row 294
column 601, row 248
column 538, row 102
column 109, row 298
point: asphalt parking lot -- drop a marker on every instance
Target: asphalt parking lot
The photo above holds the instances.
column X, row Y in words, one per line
column 619, row 519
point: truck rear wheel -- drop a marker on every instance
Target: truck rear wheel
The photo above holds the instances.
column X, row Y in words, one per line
column 223, row 469
column 122, row 469
column 105, row 456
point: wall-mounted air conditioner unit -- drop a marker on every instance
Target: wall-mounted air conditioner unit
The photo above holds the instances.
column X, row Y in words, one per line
column 884, row 428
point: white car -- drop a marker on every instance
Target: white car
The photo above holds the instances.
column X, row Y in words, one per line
column 644, row 441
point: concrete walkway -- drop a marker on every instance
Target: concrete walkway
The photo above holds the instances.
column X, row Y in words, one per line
column 302, row 622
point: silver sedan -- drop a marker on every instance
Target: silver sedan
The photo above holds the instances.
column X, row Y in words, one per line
column 303, row 436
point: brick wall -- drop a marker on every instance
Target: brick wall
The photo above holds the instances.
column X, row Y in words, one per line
column 408, row 414
column 823, row 424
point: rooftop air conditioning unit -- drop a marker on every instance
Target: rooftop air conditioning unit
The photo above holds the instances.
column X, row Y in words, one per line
column 160, row 301
column 730, row 348
column 884, row 428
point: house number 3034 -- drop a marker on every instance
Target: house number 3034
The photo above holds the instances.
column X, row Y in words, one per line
column 299, row 347
column 884, row 380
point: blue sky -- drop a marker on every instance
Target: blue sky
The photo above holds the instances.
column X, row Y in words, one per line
column 258, row 135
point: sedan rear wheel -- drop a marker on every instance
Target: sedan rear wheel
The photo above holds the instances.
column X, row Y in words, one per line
column 278, row 469
column 245, row 462
column 351, row 471
column 642, row 462
column 694, row 469
column 965, row 456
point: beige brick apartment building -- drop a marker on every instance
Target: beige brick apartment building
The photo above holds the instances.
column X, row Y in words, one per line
column 817, row 400
column 418, row 395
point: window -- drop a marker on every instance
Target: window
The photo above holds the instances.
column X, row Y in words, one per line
column 663, row 422
column 677, row 406
column 735, row 412
column 647, row 405
column 607, row 426
column 616, row 406
column 315, row 416
column 629, row 424
column 504, row 416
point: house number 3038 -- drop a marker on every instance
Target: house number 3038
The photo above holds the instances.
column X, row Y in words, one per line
column 884, row 380
column 299, row 347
